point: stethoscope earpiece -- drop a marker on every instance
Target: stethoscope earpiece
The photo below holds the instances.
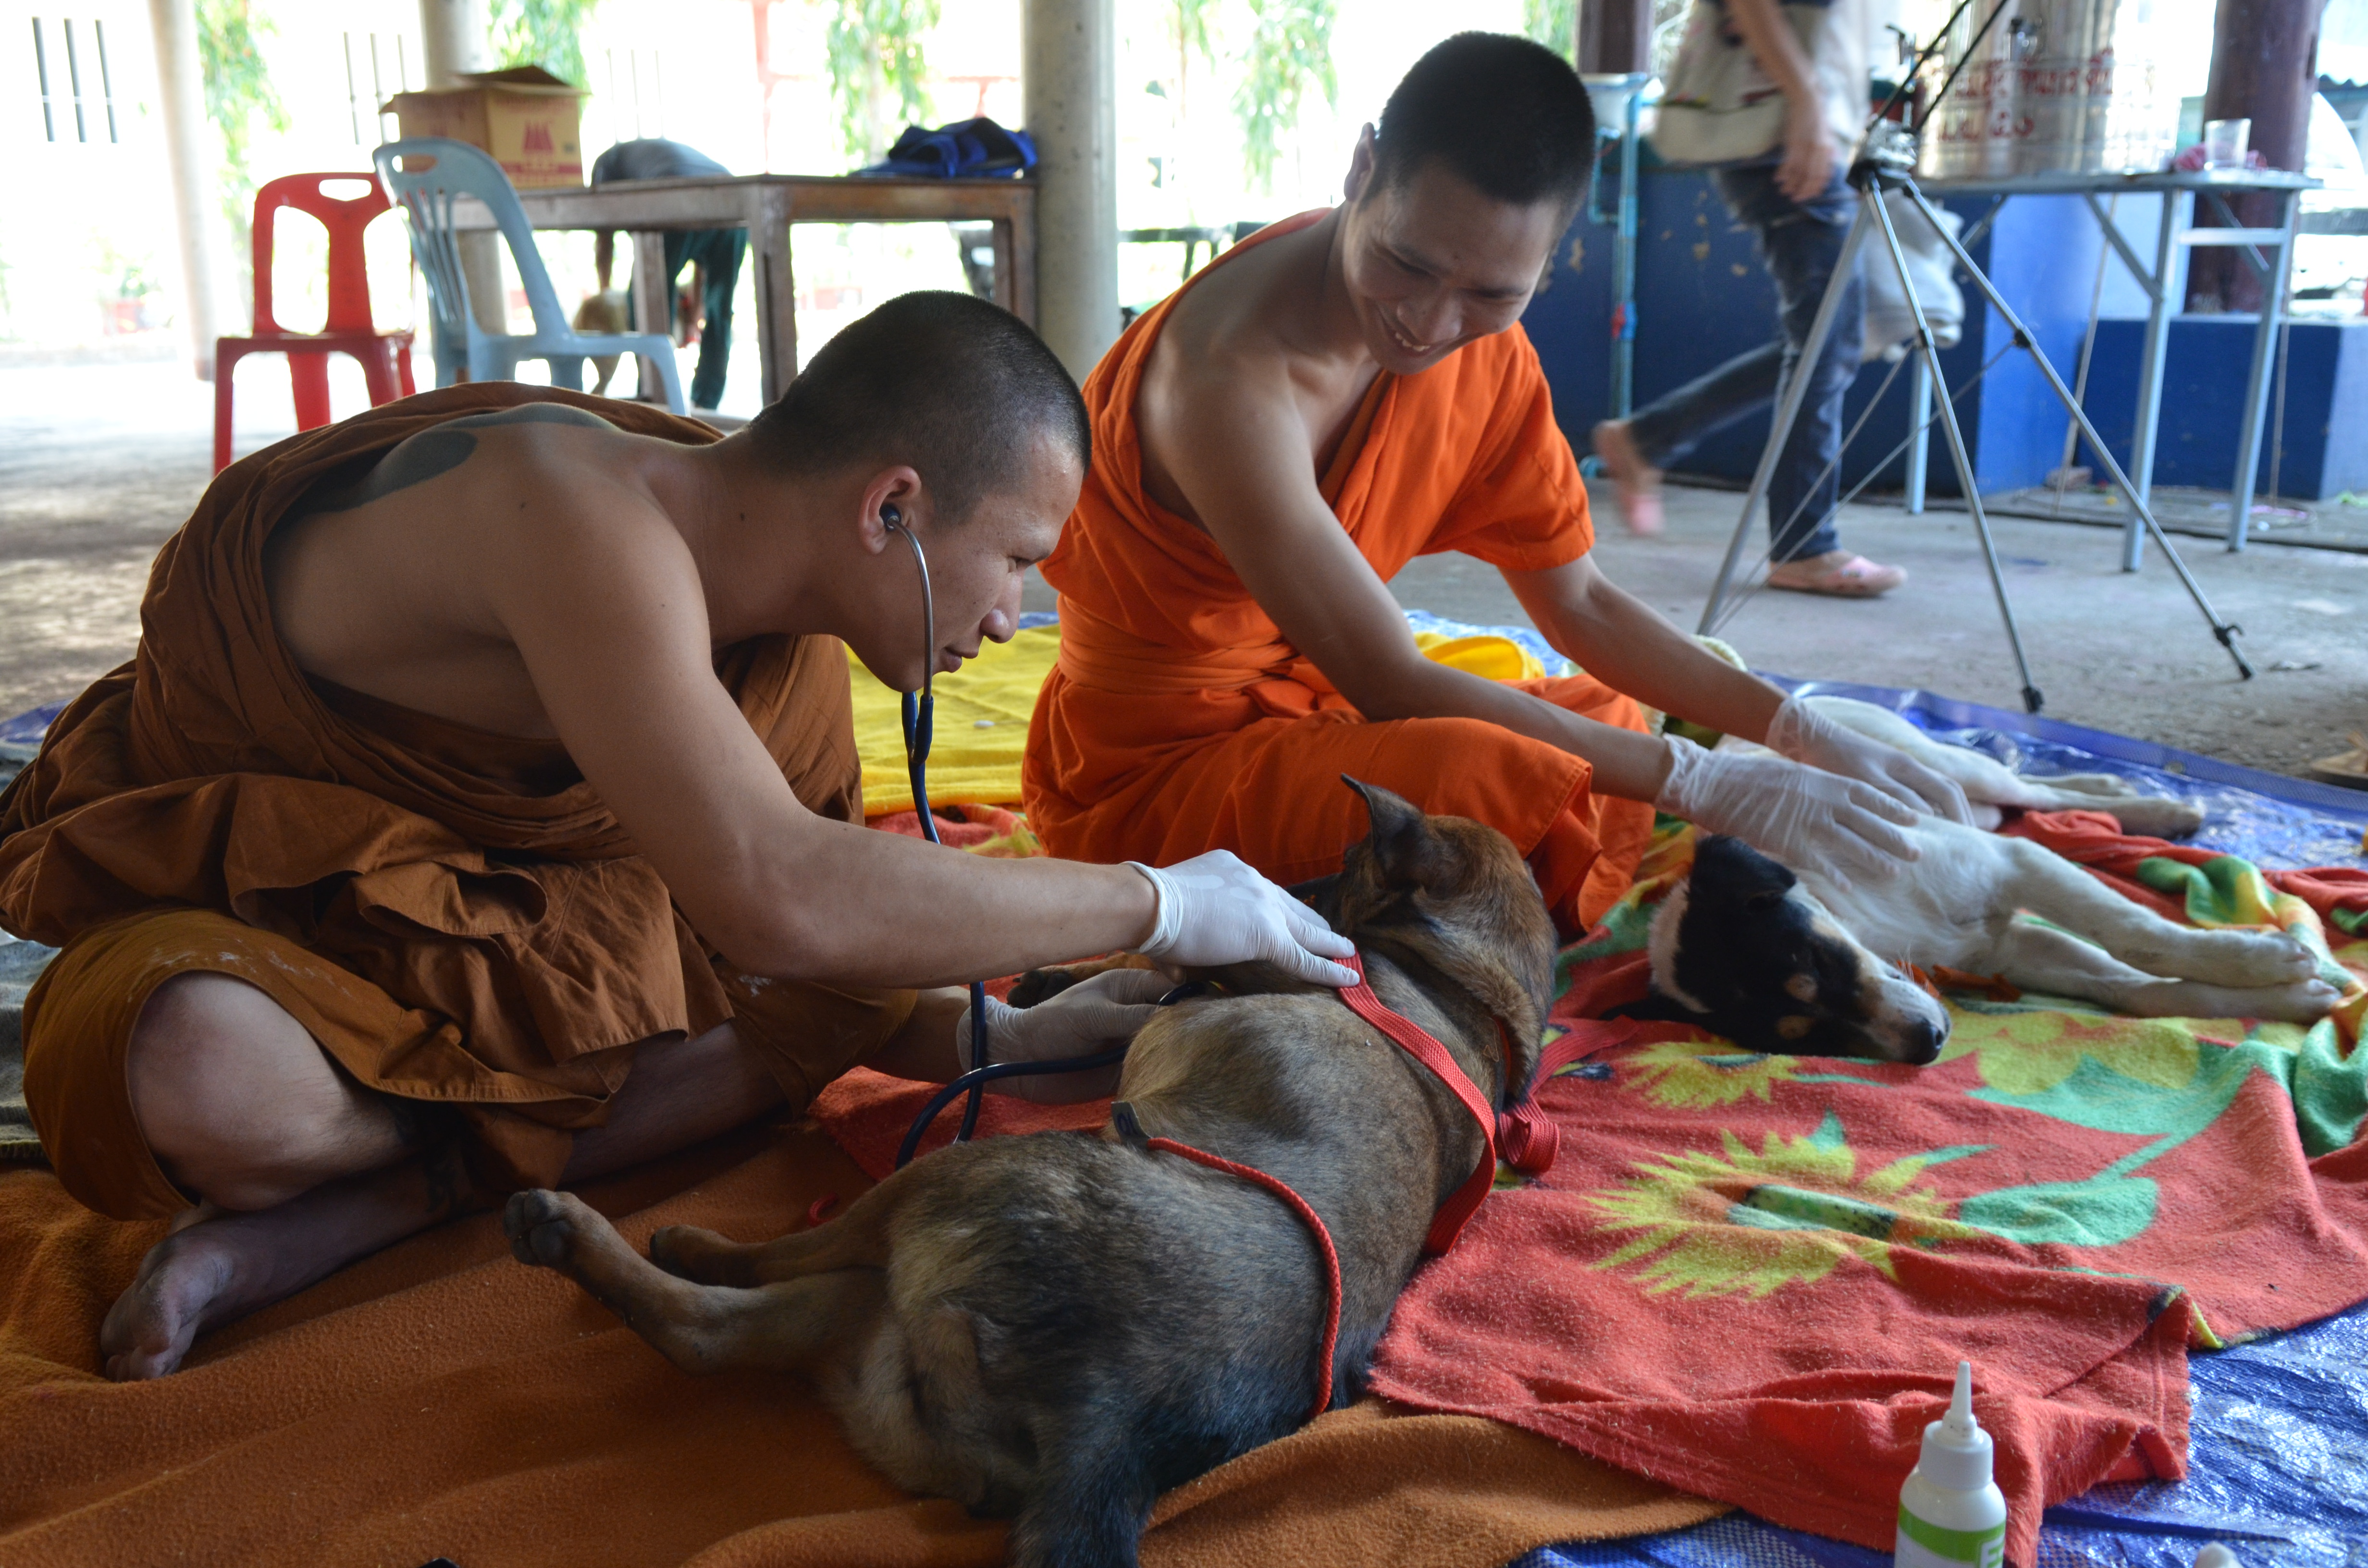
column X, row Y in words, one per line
column 891, row 517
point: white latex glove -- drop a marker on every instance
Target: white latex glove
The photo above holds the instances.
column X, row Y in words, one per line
column 1214, row 910
column 1799, row 815
column 1802, row 734
column 1087, row 1019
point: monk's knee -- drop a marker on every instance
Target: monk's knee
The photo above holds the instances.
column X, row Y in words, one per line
column 239, row 1104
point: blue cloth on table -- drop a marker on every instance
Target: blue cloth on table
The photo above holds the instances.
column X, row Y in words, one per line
column 966, row 149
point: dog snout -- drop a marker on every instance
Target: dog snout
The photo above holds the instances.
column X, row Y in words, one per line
column 1921, row 1040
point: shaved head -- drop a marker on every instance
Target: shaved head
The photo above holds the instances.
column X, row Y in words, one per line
column 1507, row 116
column 958, row 388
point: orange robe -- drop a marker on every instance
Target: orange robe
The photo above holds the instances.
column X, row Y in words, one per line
column 1179, row 721
column 453, row 915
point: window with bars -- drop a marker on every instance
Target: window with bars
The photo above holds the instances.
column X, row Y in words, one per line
column 80, row 48
column 384, row 62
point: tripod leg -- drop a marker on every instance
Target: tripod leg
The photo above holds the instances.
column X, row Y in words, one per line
column 2227, row 632
column 1957, row 455
column 1788, row 412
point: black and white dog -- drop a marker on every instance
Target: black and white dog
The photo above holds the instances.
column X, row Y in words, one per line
column 1788, row 961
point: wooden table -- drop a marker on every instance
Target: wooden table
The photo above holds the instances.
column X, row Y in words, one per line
column 766, row 205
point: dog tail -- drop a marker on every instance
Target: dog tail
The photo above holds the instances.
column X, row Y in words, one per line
column 1091, row 1495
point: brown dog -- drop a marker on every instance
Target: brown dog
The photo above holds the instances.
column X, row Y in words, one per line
column 1061, row 1326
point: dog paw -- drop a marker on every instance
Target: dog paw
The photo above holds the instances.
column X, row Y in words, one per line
column 2155, row 817
column 2249, row 959
column 543, row 1226
column 2304, row 1003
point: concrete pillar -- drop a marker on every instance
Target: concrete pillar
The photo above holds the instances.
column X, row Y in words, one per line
column 1615, row 36
column 190, row 147
column 2264, row 68
column 1067, row 75
column 458, row 37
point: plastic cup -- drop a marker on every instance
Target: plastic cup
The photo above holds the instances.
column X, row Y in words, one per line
column 2224, row 142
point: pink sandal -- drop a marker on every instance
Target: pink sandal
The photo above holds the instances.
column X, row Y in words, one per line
column 1837, row 574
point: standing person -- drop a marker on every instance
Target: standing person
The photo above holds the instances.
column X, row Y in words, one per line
column 1796, row 200
column 1341, row 392
column 714, row 255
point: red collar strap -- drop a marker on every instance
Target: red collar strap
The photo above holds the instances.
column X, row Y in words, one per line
column 1122, row 1119
column 1525, row 1137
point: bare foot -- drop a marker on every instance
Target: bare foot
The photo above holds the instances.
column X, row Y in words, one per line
column 216, row 1267
column 1639, row 482
column 1836, row 574
column 187, row 1282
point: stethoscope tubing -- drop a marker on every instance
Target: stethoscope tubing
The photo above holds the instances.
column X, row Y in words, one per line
column 920, row 717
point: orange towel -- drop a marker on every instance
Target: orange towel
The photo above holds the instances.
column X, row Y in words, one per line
column 1179, row 721
column 441, row 1400
column 455, row 914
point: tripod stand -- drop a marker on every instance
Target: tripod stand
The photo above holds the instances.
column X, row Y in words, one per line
column 1887, row 166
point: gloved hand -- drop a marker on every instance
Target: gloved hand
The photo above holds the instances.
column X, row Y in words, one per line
column 1800, row 815
column 1802, row 734
column 1087, row 1019
column 1215, row 910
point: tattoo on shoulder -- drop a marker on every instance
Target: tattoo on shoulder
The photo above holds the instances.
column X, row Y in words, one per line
column 439, row 450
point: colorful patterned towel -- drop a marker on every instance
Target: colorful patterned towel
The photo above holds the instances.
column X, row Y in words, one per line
column 1751, row 1276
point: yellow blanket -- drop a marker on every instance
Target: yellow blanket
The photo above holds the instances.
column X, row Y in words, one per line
column 982, row 710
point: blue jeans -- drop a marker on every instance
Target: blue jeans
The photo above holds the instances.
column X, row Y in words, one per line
column 1800, row 243
column 718, row 250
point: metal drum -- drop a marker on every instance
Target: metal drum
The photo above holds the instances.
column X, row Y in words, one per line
column 2048, row 91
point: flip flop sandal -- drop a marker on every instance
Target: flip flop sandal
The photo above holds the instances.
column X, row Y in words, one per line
column 2348, row 769
column 1856, row 578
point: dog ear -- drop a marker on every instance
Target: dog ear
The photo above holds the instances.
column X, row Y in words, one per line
column 1729, row 871
column 1404, row 848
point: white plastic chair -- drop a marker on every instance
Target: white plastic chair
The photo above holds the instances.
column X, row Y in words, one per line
column 441, row 171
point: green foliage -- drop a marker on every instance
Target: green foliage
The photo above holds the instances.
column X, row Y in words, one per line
column 1553, row 23
column 548, row 33
column 1290, row 52
column 874, row 52
column 238, row 93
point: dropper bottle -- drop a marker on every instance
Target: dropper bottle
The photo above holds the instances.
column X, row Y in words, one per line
column 1950, row 1514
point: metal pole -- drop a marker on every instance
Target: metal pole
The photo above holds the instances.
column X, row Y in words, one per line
column 1788, row 412
column 2226, row 632
column 1871, row 201
column 1624, row 266
column 2257, row 379
column 1067, row 71
column 2150, row 369
column 457, row 39
column 1920, row 443
column 190, row 147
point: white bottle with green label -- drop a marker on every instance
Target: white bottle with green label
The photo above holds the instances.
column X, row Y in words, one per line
column 1950, row 1514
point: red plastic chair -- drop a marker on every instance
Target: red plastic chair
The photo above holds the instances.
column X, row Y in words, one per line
column 385, row 357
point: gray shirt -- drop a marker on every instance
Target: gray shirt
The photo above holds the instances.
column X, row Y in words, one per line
column 653, row 158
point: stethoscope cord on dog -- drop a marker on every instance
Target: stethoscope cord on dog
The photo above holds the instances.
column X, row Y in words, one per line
column 920, row 714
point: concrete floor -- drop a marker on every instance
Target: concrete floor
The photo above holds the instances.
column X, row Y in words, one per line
column 99, row 463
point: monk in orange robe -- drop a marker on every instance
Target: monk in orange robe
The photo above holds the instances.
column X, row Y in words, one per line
column 1340, row 394
column 482, row 809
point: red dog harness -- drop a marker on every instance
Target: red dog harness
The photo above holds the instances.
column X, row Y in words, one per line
column 1526, row 1138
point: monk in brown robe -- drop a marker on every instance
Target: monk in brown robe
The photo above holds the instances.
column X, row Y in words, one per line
column 1347, row 391
column 482, row 808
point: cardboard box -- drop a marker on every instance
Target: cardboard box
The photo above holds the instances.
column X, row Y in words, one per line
column 528, row 119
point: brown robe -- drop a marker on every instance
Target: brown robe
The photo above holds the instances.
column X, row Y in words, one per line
column 453, row 913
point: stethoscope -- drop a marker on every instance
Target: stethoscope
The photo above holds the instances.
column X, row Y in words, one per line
column 919, row 715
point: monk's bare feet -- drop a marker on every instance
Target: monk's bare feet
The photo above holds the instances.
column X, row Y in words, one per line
column 188, row 1281
column 1639, row 482
column 217, row 1265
